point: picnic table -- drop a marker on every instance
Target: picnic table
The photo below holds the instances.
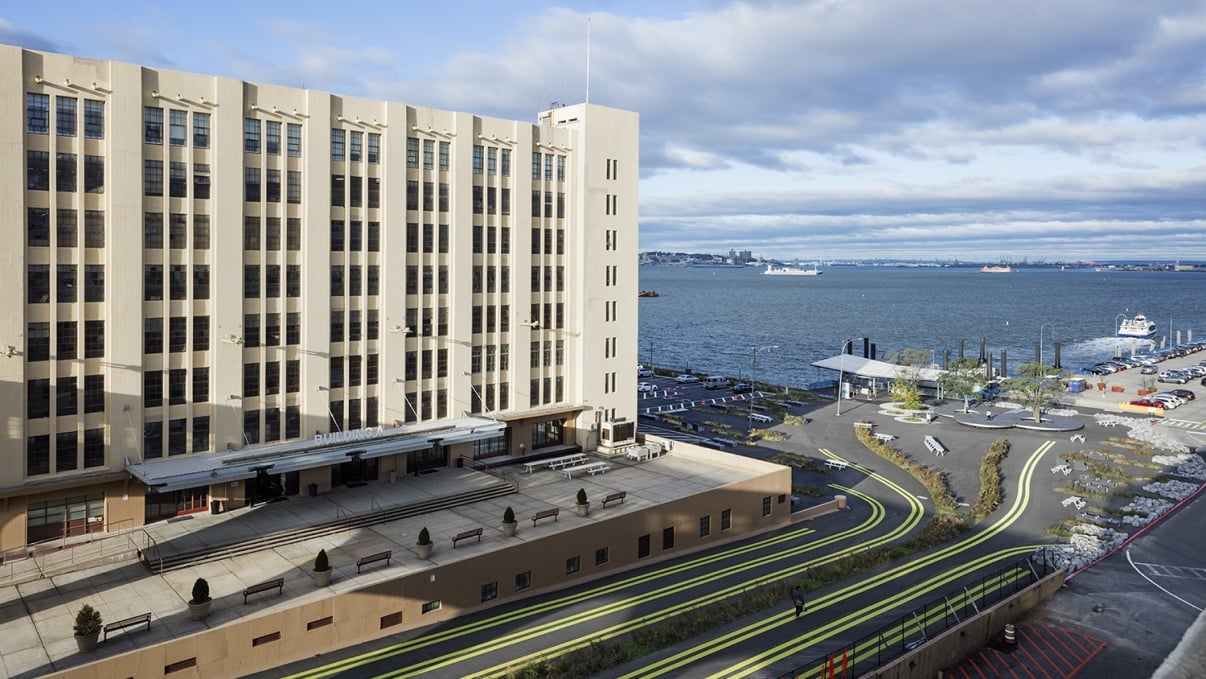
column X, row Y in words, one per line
column 884, row 437
column 592, row 469
column 836, row 464
column 1074, row 500
column 556, row 462
column 1064, row 469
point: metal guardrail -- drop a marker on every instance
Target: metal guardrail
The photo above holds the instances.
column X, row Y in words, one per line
column 917, row 626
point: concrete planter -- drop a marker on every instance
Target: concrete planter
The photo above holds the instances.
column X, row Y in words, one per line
column 322, row 578
column 424, row 551
column 582, row 509
column 87, row 642
column 199, row 611
column 508, row 528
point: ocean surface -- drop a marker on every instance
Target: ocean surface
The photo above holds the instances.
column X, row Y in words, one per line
column 711, row 320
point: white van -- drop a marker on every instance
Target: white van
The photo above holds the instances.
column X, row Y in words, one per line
column 716, row 382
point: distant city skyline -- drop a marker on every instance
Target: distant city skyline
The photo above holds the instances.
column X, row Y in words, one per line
column 812, row 130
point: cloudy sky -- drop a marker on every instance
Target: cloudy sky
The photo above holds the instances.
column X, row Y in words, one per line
column 976, row 129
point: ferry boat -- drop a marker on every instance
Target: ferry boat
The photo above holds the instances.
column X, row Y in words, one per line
column 772, row 270
column 996, row 269
column 648, row 293
column 1139, row 327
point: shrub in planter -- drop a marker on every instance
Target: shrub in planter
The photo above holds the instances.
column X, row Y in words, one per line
column 87, row 628
column 322, row 569
column 198, row 606
column 508, row 522
column 583, row 506
column 424, row 544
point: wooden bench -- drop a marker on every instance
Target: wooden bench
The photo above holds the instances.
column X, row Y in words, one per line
column 935, row 445
column 545, row 513
column 615, row 497
column 373, row 558
column 128, row 622
column 475, row 532
column 836, row 464
column 278, row 583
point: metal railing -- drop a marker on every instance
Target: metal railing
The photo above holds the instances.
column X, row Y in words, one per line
column 916, row 627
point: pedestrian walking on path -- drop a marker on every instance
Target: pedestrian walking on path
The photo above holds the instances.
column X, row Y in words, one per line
column 797, row 597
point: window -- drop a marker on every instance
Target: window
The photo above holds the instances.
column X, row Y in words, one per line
column 152, row 125
column 152, row 389
column 412, row 194
column 65, row 122
column 37, row 455
column 37, row 113
column 573, row 565
column 201, row 181
column 152, row 287
column 535, row 165
column 94, row 174
column 200, row 232
column 201, row 386
column 251, row 380
column 272, row 138
column 177, row 386
column 374, row 148
column 505, row 164
column 65, row 396
column 668, row 538
column 272, row 233
column 445, row 147
column 251, row 281
column 491, row 161
column 357, row 144
column 177, row 127
column 374, row 192
column 477, row 159
column 200, row 333
column 251, row 184
column 430, row 606
column 94, row 119
column 94, row 393
column 374, row 236
column 66, row 340
column 200, row 281
column 152, row 336
column 643, row 546
column 37, row 399
column 178, row 281
column 601, row 556
column 94, row 282
column 66, row 451
column 37, row 227
column 251, row 135
column 178, row 179
column 293, row 190
column 201, row 130
column 705, row 526
column 177, row 334
column 336, row 325
column 766, row 506
column 338, row 198
column 38, row 282
column 523, row 580
column 152, row 230
column 293, row 140
column 37, row 170
column 66, row 221
column 272, row 192
column 412, row 153
column 94, row 339
column 560, row 168
column 37, row 342
column 337, row 235
column 65, row 172
column 272, row 378
column 355, row 191
column 152, row 439
column 293, row 233
column 337, row 145
column 489, row 591
column 94, row 448
column 152, row 177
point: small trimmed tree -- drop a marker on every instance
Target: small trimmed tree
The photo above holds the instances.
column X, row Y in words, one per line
column 582, row 496
column 424, row 537
column 1035, row 386
column 200, row 591
column 87, row 622
column 960, row 379
column 321, row 563
column 509, row 515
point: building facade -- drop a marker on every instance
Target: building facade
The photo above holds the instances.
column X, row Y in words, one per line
column 284, row 290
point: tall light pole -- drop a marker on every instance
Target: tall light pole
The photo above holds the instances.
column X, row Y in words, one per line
column 1048, row 323
column 749, row 421
column 841, row 370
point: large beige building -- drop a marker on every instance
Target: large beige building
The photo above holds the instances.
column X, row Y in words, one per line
column 219, row 291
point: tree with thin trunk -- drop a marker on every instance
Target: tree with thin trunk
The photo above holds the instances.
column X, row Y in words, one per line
column 1035, row 387
column 961, row 379
column 905, row 385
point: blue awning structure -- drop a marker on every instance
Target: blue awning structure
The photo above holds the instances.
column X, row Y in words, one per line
column 189, row 471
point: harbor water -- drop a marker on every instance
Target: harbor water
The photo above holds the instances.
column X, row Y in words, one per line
column 712, row 320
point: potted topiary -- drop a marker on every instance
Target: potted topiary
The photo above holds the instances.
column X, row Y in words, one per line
column 198, row 606
column 322, row 569
column 509, row 523
column 582, row 508
column 424, row 544
column 87, row 628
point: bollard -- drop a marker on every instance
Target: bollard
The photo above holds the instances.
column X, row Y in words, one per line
column 1010, row 634
column 841, row 501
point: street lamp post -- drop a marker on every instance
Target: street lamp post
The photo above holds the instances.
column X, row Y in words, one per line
column 749, row 421
column 1048, row 323
column 841, row 370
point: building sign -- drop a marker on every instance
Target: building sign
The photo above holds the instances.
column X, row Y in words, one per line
column 350, row 436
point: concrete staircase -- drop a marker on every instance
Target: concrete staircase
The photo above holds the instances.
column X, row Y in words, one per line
column 161, row 561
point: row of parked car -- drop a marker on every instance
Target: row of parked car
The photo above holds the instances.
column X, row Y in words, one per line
column 1165, row 399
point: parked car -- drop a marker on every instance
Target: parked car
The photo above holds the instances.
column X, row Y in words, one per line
column 646, row 387
column 1146, row 403
column 742, row 388
column 1183, row 394
column 1149, row 369
column 1173, row 377
column 1168, row 400
column 642, row 371
column 1196, row 371
column 686, row 379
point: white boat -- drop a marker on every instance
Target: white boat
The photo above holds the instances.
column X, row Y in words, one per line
column 772, row 270
column 1139, row 327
